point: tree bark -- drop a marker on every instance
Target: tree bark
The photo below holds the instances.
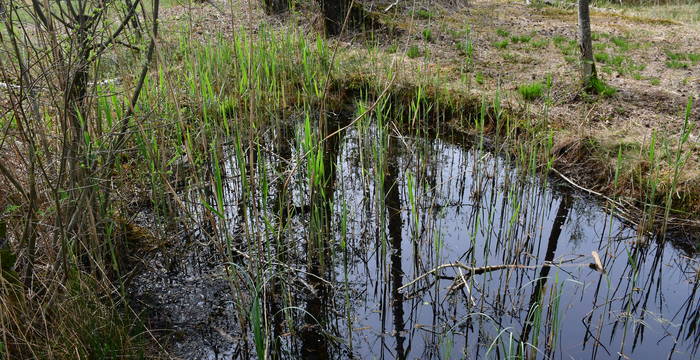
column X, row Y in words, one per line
column 585, row 43
column 334, row 13
column 273, row 7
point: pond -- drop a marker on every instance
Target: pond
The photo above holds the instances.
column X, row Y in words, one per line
column 376, row 244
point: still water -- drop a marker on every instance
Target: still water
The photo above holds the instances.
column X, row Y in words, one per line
column 396, row 207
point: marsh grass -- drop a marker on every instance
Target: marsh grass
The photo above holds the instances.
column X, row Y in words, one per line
column 240, row 136
column 250, row 88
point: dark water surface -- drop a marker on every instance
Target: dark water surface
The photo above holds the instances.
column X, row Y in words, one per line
column 397, row 213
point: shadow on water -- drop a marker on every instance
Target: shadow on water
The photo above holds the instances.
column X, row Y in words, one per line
column 338, row 246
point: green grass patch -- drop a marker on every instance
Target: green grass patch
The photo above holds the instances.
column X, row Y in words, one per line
column 599, row 87
column 675, row 64
column 393, row 48
column 532, row 91
column 595, row 36
column 413, row 52
column 602, row 57
column 424, row 14
column 622, row 64
column 428, row 35
column 568, row 47
column 538, row 44
column 678, row 58
column 501, row 44
column 614, row 60
column 622, row 43
column 600, row 46
column 466, row 48
column 510, row 57
column 558, row 39
column 520, row 39
column 502, row 33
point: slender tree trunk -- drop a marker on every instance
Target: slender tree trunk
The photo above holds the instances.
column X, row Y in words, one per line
column 334, row 12
column 393, row 207
column 276, row 6
column 585, row 43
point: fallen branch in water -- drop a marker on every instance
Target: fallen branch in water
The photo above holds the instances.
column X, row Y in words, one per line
column 471, row 271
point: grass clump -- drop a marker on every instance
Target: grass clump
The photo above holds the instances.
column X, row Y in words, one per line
column 532, row 91
column 602, row 57
column 595, row 36
column 520, row 39
column 538, row 44
column 680, row 60
column 558, row 39
column 622, row 64
column 502, row 33
column 598, row 86
column 413, row 52
column 428, row 35
column 466, row 48
column 393, row 48
column 614, row 60
column 601, row 46
column 510, row 57
column 424, row 14
column 568, row 47
column 622, row 43
column 501, row 44
column 675, row 64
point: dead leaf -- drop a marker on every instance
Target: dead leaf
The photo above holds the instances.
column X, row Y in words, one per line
column 597, row 265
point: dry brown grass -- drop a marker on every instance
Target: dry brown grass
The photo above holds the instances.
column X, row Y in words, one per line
column 680, row 11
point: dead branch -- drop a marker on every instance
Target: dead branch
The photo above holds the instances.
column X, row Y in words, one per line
column 471, row 271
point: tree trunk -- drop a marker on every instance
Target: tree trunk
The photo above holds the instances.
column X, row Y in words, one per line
column 273, row 7
column 334, row 13
column 585, row 43
column 538, row 292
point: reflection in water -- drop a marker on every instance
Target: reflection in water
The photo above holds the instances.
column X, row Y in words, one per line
column 393, row 206
column 382, row 219
column 537, row 292
column 318, row 246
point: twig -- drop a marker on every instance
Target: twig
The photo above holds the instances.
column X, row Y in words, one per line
column 391, row 6
column 590, row 191
column 481, row 270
